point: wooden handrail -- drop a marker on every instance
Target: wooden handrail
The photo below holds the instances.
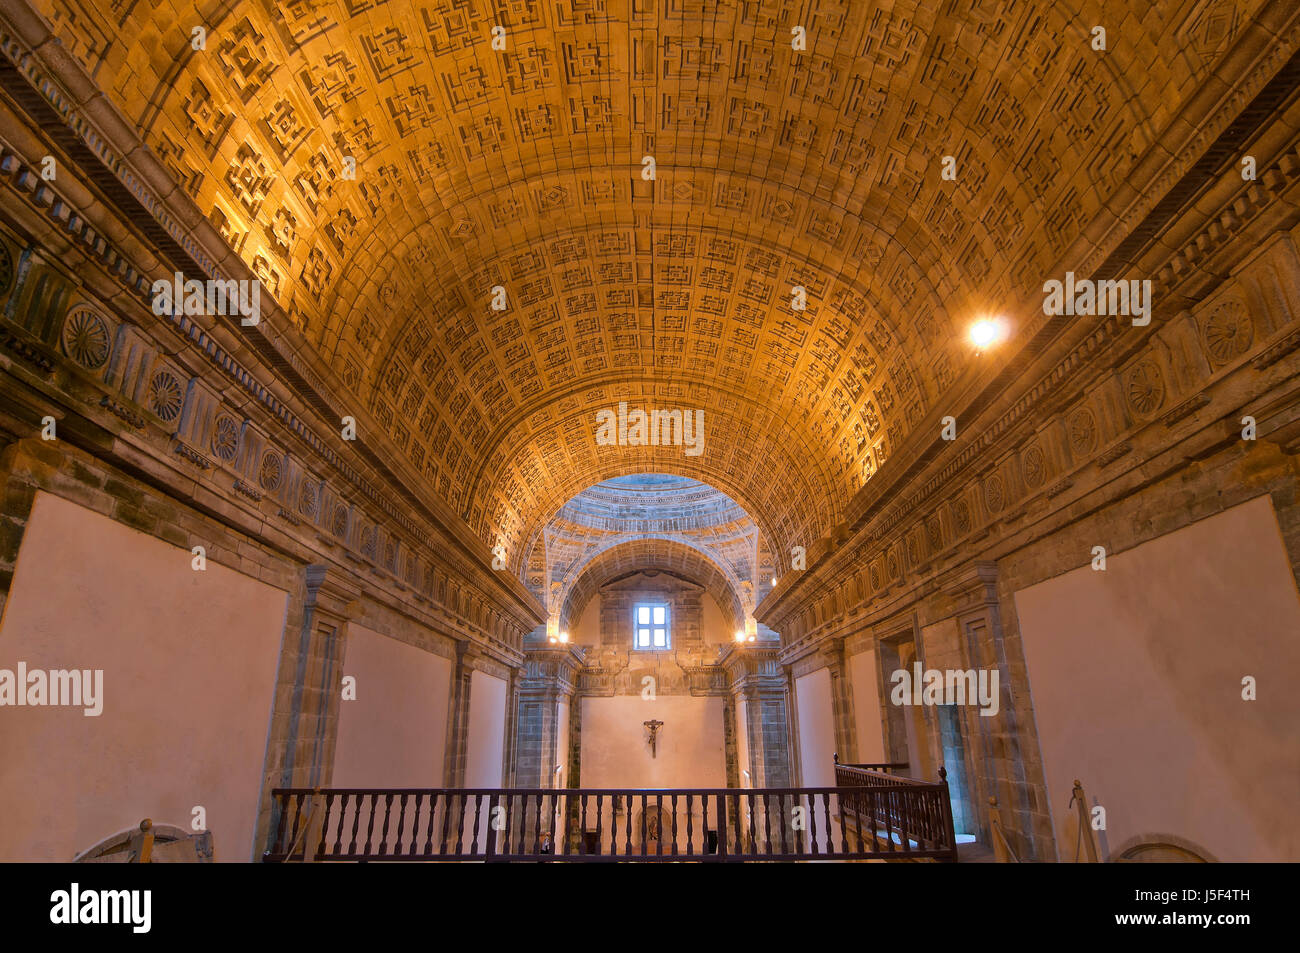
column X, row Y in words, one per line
column 863, row 820
column 883, row 766
column 917, row 809
column 1084, row 833
column 1002, row 851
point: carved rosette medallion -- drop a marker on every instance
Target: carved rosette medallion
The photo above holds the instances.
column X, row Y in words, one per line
column 1144, row 386
column 225, row 438
column 1034, row 464
column 85, row 338
column 271, row 472
column 961, row 516
column 1082, row 428
column 995, row 494
column 308, row 499
column 1228, row 332
column 165, row 395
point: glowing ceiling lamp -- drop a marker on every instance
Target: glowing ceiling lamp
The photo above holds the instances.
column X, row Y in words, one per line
column 988, row 332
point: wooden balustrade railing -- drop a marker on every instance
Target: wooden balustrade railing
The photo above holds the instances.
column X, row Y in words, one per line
column 898, row 809
column 890, row 768
column 858, row 821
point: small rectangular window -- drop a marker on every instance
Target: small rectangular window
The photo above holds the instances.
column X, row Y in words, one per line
column 651, row 630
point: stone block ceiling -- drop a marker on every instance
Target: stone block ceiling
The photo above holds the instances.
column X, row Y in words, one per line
column 653, row 521
column 523, row 168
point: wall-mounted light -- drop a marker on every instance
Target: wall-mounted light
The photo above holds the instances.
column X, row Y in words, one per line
column 564, row 637
column 774, row 580
column 740, row 635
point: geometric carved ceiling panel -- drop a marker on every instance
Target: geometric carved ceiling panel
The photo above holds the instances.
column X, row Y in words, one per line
column 524, row 168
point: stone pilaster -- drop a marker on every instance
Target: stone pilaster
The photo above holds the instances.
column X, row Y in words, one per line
column 468, row 657
column 729, row 742
column 304, row 723
column 832, row 651
column 760, row 686
column 547, row 680
column 510, row 750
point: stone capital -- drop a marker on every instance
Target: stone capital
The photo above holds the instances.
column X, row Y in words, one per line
column 330, row 595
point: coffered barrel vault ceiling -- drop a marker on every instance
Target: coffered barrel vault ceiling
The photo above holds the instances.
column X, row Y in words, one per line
column 478, row 167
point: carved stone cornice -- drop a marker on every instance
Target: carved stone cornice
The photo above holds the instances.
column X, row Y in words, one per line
column 551, row 670
column 1279, row 349
column 975, row 585
column 331, row 593
column 597, row 681
column 704, row 679
column 477, row 611
column 494, row 659
column 752, row 668
column 239, row 357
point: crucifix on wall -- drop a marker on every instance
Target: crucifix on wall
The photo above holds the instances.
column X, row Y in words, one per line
column 654, row 725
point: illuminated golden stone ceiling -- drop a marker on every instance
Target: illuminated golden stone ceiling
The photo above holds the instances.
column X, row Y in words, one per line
column 523, row 168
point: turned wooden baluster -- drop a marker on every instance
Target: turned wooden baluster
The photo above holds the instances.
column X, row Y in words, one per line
column 324, row 824
column 297, row 819
column 446, row 822
column 356, row 825
column 767, row 823
column 690, row 833
column 415, row 825
column 492, row 834
column 780, row 818
column 370, row 826
column 478, row 804
column 428, row 830
column 674, row 803
column 659, row 810
column 460, row 823
column 537, row 827
column 582, row 825
column 891, row 811
column 753, row 822
column 397, row 843
column 338, row 832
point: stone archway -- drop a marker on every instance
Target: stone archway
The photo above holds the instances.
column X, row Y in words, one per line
column 1161, row 849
